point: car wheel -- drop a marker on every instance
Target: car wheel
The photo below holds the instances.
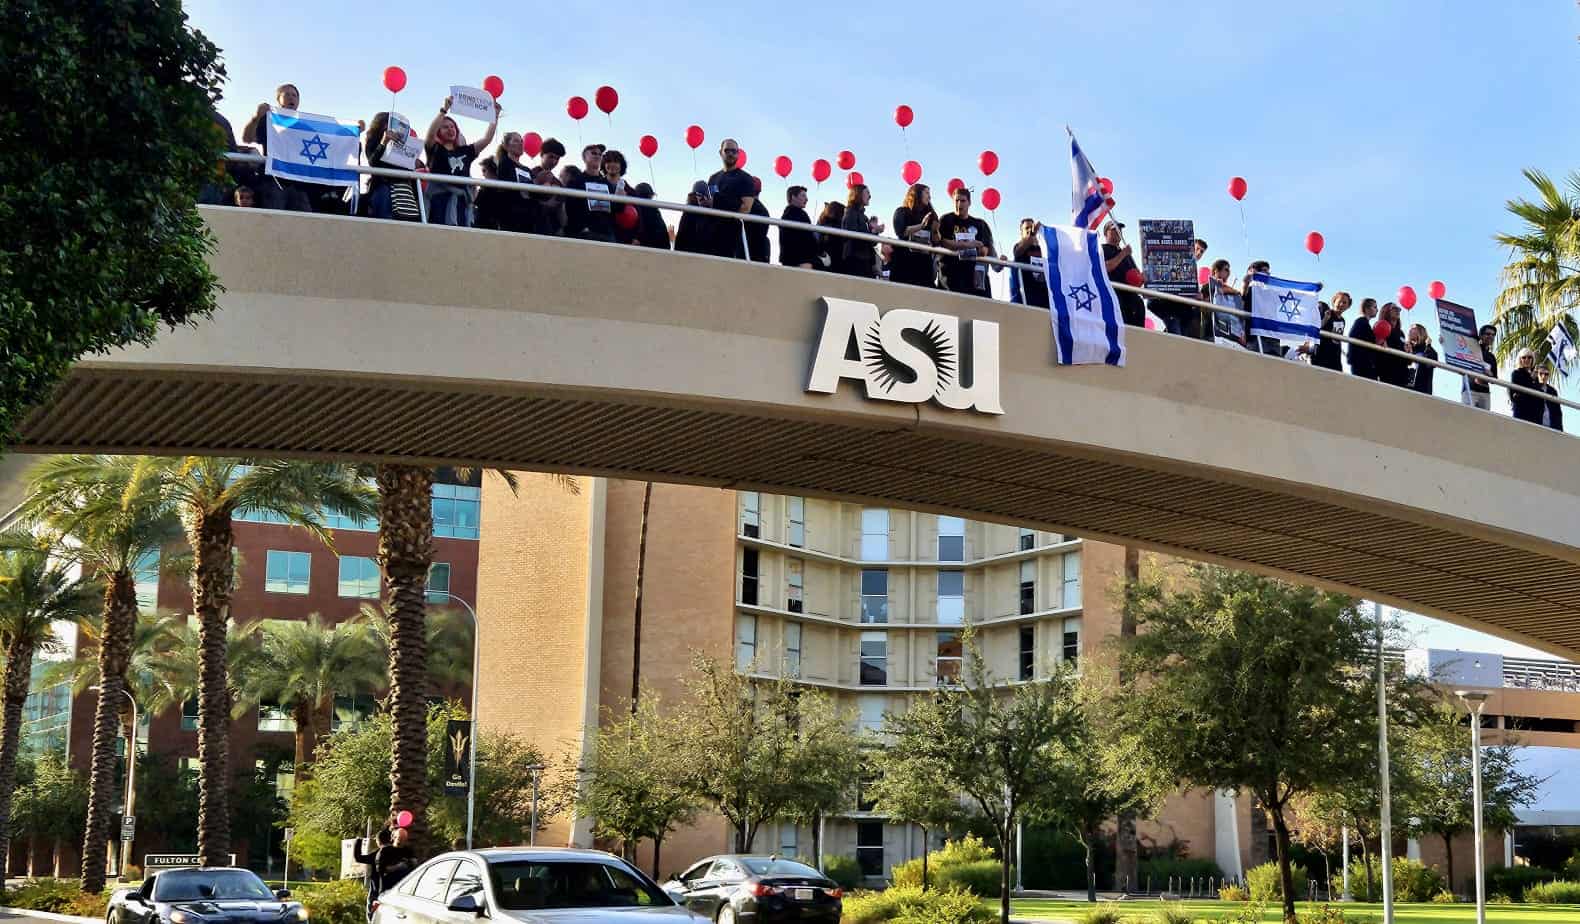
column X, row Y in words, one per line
column 726, row 915
column 114, row 917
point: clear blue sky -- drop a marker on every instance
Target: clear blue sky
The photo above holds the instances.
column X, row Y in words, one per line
column 1396, row 129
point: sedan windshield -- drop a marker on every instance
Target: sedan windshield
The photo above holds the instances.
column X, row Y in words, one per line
column 762, row 866
column 195, row 885
column 535, row 885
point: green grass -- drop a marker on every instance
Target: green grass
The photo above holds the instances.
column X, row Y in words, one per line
column 1353, row 911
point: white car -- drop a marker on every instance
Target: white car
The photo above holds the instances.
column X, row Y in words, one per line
column 534, row 885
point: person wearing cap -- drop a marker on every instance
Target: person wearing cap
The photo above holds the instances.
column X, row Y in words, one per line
column 1553, row 412
column 732, row 190
column 650, row 230
column 797, row 247
column 969, row 238
column 590, row 219
column 1528, row 408
column 695, row 234
column 1118, row 261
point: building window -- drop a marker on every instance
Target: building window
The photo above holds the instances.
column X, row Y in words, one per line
column 795, row 510
column 189, row 715
column 951, row 539
column 865, row 783
column 1028, row 651
column 874, row 534
column 287, row 572
column 869, row 847
column 792, row 649
column 359, row 577
column 874, row 659
column 1070, row 595
column 439, row 582
column 875, row 595
column 145, row 574
column 789, row 844
column 352, row 710
column 869, row 713
column 950, row 651
column 795, row 585
column 272, row 717
column 1028, row 587
column 745, row 641
column 751, row 514
column 457, row 510
column 1028, row 539
column 749, row 577
column 283, row 776
column 951, row 597
column 1071, row 648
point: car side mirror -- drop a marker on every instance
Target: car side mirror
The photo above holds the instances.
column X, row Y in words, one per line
column 282, row 894
column 465, row 904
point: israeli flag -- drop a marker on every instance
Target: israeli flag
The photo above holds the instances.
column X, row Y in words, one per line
column 1081, row 303
column 312, row 148
column 1088, row 205
column 1561, row 349
column 1284, row 308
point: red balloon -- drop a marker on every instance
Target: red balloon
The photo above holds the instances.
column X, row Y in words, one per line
column 903, row 116
column 1134, row 277
column 576, row 108
column 855, row 179
column 846, row 160
column 694, row 136
column 648, row 145
column 1437, row 289
column 911, row 173
column 625, row 219
column 394, row 79
column 782, row 166
column 1105, row 185
column 987, row 162
column 404, row 819
column 493, row 86
column 740, row 158
column 990, row 198
column 821, row 170
column 1237, row 187
column 1314, row 242
column 532, row 143
column 1406, row 297
column 1381, row 330
column 955, row 185
column 607, row 99
column 757, row 183
column 1202, row 275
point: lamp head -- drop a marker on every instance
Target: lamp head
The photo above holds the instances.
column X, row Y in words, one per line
column 1476, row 697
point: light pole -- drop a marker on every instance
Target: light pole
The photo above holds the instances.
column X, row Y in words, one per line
column 471, row 764
column 1474, row 700
column 1386, row 841
column 532, row 832
column 131, row 778
column 1345, row 859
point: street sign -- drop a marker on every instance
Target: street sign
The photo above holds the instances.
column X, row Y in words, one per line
column 128, row 827
column 157, row 862
column 290, row 833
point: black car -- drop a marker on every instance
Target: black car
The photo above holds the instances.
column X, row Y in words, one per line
column 757, row 890
column 203, row 896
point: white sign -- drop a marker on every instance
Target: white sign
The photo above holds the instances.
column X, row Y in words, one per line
column 349, row 867
column 472, row 103
column 158, row 862
column 908, row 356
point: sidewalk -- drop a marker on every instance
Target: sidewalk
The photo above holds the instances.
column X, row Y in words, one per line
column 46, row 916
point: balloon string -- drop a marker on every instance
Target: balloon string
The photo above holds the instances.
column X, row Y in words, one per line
column 650, row 175
column 693, row 162
column 1245, row 233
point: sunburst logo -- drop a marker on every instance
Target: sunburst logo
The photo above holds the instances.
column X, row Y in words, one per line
column 887, row 371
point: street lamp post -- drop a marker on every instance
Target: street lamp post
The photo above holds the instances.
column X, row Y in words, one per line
column 532, row 831
column 1385, row 794
column 1474, row 700
column 131, row 779
column 471, row 764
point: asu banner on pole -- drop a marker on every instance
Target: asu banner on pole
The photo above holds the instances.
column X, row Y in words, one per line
column 312, row 148
column 457, row 756
column 1081, row 302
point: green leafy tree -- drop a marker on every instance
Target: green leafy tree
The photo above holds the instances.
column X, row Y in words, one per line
column 634, row 786
column 301, row 665
column 908, row 788
column 35, row 594
column 1248, row 683
column 1541, row 281
column 1440, row 803
column 51, row 803
column 99, row 258
column 999, row 746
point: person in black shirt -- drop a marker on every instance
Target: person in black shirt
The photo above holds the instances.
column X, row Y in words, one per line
column 550, row 213
column 1363, row 362
column 651, row 231
column 613, row 169
column 915, row 221
column 448, row 154
column 831, row 248
column 757, row 245
column 858, row 258
column 516, row 210
column 1118, row 262
column 1477, row 392
column 695, row 233
column 1525, row 407
column 732, row 190
column 1029, row 287
column 387, row 198
column 1553, row 413
column 1421, row 345
column 797, row 247
column 592, row 219
column 969, row 238
column 1328, row 353
column 273, row 192
column 1393, row 370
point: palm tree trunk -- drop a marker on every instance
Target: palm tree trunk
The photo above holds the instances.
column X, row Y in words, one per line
column 115, row 652
column 213, row 566
column 1126, row 854
column 18, row 667
column 636, row 617
column 406, row 553
column 307, row 715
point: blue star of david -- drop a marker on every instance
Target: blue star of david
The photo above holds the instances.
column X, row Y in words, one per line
column 1083, row 296
column 314, row 156
column 1289, row 305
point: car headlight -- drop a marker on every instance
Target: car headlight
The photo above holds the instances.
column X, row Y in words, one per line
column 185, row 917
column 301, row 912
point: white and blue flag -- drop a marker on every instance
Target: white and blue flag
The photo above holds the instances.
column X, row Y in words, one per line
column 1284, row 308
column 1561, row 349
column 312, row 148
column 1081, row 302
column 1088, row 205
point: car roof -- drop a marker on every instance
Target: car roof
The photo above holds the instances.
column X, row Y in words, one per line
column 539, row 854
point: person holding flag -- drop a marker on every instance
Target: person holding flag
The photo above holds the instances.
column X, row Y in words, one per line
column 1088, row 204
column 1283, row 309
column 1082, row 304
column 306, row 151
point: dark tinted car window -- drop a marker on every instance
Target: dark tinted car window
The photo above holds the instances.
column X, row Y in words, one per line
column 760, row 866
column 537, row 885
column 190, row 885
column 726, row 871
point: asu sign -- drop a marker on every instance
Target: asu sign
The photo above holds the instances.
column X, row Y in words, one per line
column 908, row 356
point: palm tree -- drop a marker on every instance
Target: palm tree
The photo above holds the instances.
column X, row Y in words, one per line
column 1541, row 281
column 208, row 492
column 449, row 643
column 100, row 512
column 35, row 593
column 302, row 665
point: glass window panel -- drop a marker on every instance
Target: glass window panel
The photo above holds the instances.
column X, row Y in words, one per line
column 951, row 583
column 950, row 653
column 1028, row 539
column 749, row 577
column 793, row 648
column 796, row 508
column 751, row 514
column 869, row 847
column 1028, row 587
column 869, row 711
column 1028, row 651
column 287, row 572
column 1071, row 647
column 951, row 597
column 874, row 534
column 745, row 641
column 1071, row 572
column 874, row 659
column 359, row 577
column 439, row 582
column 795, row 586
column 145, row 575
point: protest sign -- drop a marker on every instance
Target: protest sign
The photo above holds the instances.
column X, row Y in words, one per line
column 471, row 103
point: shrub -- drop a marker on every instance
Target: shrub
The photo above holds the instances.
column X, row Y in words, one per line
column 843, row 870
column 1498, row 898
column 1444, row 897
column 1171, row 913
column 1324, row 914
column 910, row 905
column 967, row 864
column 1158, row 870
column 979, row 877
column 343, row 901
column 1234, row 893
column 52, row 895
column 1102, row 914
column 1265, row 886
column 1562, row 892
column 1514, row 880
column 1413, row 881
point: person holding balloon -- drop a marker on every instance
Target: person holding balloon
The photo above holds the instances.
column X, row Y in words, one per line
column 389, row 863
column 1389, row 332
column 915, row 221
column 448, row 154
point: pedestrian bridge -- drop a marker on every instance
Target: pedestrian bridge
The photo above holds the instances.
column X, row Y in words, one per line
column 354, row 339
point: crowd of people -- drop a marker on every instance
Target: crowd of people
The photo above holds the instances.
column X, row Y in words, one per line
column 965, row 237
